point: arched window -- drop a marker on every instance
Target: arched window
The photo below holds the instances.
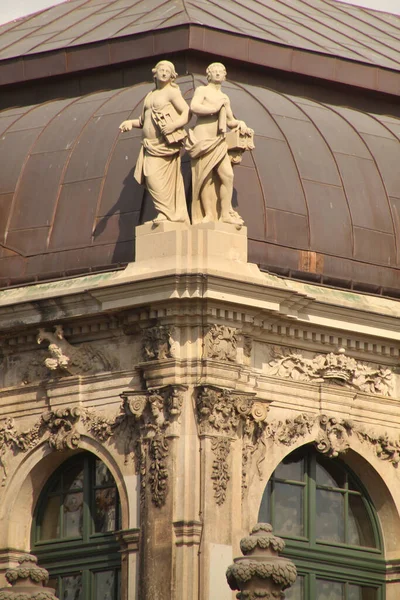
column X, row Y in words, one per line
column 330, row 528
column 73, row 532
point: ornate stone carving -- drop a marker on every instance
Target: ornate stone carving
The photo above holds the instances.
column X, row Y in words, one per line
column 333, row 367
column 27, row 581
column 332, row 435
column 157, row 343
column 154, row 415
column 61, row 424
column 71, row 360
column 209, row 148
column 221, row 343
column 163, row 117
column 220, row 470
column 223, row 414
column 261, row 573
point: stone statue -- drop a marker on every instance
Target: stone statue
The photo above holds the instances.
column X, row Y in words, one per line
column 158, row 167
column 208, row 147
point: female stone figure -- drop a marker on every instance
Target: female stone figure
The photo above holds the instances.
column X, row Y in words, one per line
column 212, row 173
column 158, row 167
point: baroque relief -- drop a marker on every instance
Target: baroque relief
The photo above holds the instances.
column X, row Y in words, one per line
column 157, row 343
column 67, row 359
column 333, row 435
column 221, row 343
column 222, row 415
column 333, row 367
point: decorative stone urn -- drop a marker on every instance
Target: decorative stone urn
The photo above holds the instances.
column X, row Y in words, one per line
column 261, row 572
column 27, row 581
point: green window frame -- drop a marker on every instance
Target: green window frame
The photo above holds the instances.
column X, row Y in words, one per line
column 73, row 532
column 324, row 514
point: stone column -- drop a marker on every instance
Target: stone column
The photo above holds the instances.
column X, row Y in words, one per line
column 261, row 572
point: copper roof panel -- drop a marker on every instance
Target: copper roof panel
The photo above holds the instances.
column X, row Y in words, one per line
column 246, row 199
column 39, row 116
column 14, row 146
column 328, row 208
column 366, row 194
column 279, row 176
column 374, row 246
column 33, row 208
column 364, row 123
column 386, row 154
column 29, row 241
column 287, row 229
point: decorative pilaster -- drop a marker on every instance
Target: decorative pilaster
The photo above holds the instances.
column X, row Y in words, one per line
column 261, row 572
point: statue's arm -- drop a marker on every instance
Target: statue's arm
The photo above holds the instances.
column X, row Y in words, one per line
column 181, row 108
column 134, row 123
column 202, row 106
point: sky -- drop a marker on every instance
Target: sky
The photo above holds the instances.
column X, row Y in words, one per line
column 20, row 8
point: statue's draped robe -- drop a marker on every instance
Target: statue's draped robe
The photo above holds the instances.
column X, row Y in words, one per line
column 158, row 167
column 205, row 156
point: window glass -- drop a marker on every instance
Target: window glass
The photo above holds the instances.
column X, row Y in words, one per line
column 296, row 592
column 71, row 586
column 358, row 592
column 330, row 590
column 329, row 474
column 330, row 516
column 291, row 468
column 360, row 527
column 289, row 517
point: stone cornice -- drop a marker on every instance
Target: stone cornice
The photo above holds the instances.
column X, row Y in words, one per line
column 267, row 298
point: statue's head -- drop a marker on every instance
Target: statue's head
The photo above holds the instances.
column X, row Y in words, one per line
column 164, row 71
column 216, row 72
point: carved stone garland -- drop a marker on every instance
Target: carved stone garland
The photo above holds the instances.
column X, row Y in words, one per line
column 333, row 435
column 221, row 415
column 261, row 572
column 335, row 368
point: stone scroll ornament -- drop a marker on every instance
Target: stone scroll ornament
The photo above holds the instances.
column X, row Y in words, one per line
column 261, row 573
column 27, row 581
column 158, row 167
column 222, row 415
column 337, row 368
column 213, row 150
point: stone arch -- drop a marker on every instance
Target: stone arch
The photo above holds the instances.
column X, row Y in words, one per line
column 379, row 477
column 26, row 482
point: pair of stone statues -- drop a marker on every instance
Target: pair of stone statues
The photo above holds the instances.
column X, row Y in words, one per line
column 212, row 150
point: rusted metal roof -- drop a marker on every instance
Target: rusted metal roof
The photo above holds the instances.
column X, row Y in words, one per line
column 320, row 193
column 322, row 26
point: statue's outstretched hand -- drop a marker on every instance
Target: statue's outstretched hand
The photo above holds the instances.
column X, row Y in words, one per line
column 126, row 125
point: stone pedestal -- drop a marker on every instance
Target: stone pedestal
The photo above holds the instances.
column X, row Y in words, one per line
column 166, row 247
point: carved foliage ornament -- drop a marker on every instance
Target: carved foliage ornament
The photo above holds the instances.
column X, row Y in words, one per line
column 222, row 414
column 72, row 360
column 332, row 436
column 333, row 367
column 221, row 343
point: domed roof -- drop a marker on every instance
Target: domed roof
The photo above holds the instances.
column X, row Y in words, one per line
column 320, row 193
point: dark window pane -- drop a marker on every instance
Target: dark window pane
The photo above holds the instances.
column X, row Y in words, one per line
column 50, row 526
column 329, row 590
column 264, row 516
column 291, row 467
column 358, row 592
column 288, row 509
column 105, row 585
column 105, row 510
column 73, row 514
column 330, row 474
column 72, row 587
column 73, row 478
column 360, row 532
column 103, row 474
column 330, row 516
column 296, row 592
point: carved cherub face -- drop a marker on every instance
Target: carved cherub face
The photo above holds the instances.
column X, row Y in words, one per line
column 216, row 73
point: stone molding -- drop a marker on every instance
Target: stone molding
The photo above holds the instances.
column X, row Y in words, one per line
column 334, row 367
column 188, row 533
column 128, row 540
